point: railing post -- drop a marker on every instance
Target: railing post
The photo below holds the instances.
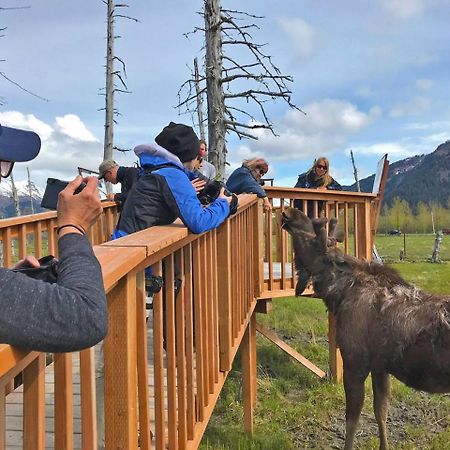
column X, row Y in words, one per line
column 121, row 367
column 63, row 401
column 334, row 354
column 364, row 230
column 258, row 245
column 34, row 405
column 224, row 295
column 249, row 373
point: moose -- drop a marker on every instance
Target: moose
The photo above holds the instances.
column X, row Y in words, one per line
column 384, row 325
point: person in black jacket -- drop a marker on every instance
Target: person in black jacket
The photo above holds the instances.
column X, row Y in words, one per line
column 318, row 177
column 110, row 171
column 72, row 313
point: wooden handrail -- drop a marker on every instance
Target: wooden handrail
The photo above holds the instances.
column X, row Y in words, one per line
column 199, row 349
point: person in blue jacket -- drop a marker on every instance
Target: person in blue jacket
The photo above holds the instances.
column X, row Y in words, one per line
column 318, row 177
column 164, row 190
column 247, row 179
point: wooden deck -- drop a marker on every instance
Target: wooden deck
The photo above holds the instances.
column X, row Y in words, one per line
column 14, row 404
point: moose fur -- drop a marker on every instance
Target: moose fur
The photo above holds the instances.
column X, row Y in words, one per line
column 384, row 325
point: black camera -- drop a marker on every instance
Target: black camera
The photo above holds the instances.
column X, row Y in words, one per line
column 53, row 188
column 211, row 191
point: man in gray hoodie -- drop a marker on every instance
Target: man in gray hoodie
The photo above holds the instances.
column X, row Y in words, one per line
column 71, row 314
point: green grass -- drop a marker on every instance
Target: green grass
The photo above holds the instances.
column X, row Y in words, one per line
column 419, row 247
column 295, row 410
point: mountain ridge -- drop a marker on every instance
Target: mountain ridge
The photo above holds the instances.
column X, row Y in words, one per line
column 421, row 178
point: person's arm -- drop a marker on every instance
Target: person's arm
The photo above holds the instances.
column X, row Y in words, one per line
column 241, row 182
column 71, row 314
column 120, row 197
column 182, row 199
column 334, row 185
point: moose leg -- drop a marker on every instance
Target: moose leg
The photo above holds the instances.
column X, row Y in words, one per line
column 354, row 399
column 381, row 387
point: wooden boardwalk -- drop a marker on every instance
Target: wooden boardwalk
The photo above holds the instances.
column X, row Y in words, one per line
column 14, row 404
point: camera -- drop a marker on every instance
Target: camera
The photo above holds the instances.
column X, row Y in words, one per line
column 211, row 191
column 52, row 189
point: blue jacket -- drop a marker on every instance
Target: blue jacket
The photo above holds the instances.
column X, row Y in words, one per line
column 163, row 193
column 242, row 181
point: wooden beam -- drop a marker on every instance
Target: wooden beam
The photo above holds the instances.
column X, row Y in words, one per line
column 290, row 351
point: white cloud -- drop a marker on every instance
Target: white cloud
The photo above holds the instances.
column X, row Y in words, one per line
column 424, row 84
column 72, row 126
column 326, row 128
column 63, row 150
column 415, row 106
column 403, row 9
column 26, row 122
column 302, row 35
column 393, row 149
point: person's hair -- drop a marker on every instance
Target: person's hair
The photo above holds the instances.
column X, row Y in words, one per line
column 323, row 161
column 256, row 164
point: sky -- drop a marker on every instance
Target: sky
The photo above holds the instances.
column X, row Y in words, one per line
column 371, row 76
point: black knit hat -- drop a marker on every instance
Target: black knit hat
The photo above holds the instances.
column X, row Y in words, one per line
column 180, row 140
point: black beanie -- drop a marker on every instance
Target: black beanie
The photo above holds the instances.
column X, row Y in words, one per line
column 180, row 140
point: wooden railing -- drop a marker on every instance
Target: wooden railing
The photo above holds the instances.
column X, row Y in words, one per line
column 201, row 329
column 223, row 273
column 353, row 210
column 36, row 234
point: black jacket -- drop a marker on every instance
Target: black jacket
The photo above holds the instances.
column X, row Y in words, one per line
column 308, row 180
column 126, row 176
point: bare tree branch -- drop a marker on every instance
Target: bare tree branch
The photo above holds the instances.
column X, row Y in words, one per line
column 22, row 88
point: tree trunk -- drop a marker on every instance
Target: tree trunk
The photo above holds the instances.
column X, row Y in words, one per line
column 30, row 191
column 216, row 107
column 15, row 195
column 109, row 103
column 201, row 124
column 437, row 248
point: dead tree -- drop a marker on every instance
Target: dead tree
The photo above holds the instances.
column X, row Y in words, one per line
column 227, row 80
column 201, row 122
column 15, row 195
column 384, row 325
column 355, row 172
column 435, row 257
column 112, row 74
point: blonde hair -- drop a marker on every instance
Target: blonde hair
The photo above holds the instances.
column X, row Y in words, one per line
column 256, row 164
column 323, row 161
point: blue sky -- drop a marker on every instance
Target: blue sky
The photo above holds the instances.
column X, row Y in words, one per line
column 371, row 75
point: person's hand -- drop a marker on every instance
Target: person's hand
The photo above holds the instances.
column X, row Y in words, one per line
column 228, row 198
column 321, row 188
column 266, row 205
column 110, row 196
column 80, row 210
column 29, row 261
column 198, row 184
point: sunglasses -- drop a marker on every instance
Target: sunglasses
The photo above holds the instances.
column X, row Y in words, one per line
column 262, row 172
column 6, row 168
column 320, row 166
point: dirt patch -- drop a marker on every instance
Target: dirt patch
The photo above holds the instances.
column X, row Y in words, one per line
column 403, row 416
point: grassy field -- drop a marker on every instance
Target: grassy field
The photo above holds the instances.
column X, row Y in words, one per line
column 297, row 411
column 419, row 247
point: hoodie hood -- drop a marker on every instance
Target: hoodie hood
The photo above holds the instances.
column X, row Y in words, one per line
column 155, row 155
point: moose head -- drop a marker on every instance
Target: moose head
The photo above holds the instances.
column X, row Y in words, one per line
column 311, row 243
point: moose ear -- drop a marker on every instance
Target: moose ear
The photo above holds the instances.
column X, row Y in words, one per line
column 332, row 227
column 321, row 233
